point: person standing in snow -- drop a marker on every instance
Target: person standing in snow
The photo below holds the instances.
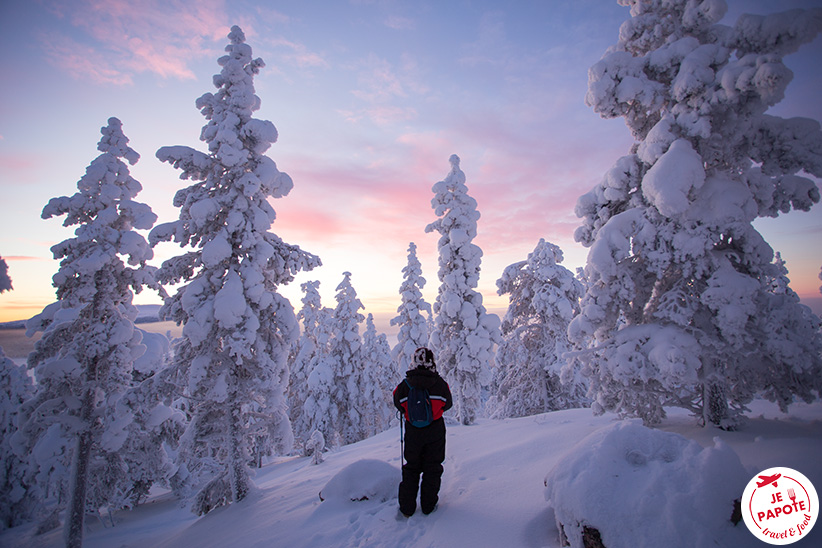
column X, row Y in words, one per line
column 424, row 446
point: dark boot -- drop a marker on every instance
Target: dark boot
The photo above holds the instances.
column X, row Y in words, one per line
column 433, row 457
column 408, row 490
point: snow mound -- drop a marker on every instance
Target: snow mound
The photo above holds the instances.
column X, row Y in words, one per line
column 643, row 487
column 366, row 479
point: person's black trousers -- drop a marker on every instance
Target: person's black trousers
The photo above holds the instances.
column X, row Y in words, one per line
column 424, row 455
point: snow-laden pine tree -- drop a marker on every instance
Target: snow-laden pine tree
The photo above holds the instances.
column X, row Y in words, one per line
column 83, row 363
column 5, row 280
column 15, row 507
column 788, row 333
column 156, row 425
column 320, row 413
column 678, row 276
column 307, row 352
column 378, row 380
column 464, row 334
column 237, row 329
column 345, row 349
column 532, row 375
column 413, row 331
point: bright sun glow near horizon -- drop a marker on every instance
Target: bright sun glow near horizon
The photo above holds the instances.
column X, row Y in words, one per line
column 370, row 98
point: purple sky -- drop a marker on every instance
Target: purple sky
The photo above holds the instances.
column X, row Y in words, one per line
column 370, row 99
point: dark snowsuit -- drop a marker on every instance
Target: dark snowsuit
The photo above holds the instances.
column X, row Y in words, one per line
column 424, row 447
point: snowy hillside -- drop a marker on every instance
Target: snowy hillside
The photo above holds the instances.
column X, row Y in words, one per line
column 493, row 493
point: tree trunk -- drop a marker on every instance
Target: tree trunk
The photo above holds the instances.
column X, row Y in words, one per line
column 714, row 403
column 237, row 466
column 78, row 482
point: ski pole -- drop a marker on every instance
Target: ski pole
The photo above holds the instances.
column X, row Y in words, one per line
column 402, row 440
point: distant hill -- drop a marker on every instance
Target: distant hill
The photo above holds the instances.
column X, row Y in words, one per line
column 146, row 313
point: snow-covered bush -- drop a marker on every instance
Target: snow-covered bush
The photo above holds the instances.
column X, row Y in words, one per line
column 464, row 334
column 641, row 487
column 84, row 361
column 315, row 447
column 362, row 480
column 678, row 277
column 413, row 331
column 531, row 374
column 237, row 329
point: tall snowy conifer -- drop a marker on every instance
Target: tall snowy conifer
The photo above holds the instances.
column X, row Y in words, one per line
column 83, row 362
column 464, row 334
column 305, row 353
column 319, row 412
column 413, row 331
column 237, row 330
column 531, row 375
column 378, row 379
column 678, row 298
column 346, row 351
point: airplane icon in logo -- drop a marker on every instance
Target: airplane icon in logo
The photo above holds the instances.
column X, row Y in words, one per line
column 767, row 480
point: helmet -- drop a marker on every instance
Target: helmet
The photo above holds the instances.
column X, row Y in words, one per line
column 423, row 357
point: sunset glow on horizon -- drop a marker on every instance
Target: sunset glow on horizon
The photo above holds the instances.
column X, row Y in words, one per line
column 370, row 98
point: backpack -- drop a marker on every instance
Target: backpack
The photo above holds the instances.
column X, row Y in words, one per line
column 419, row 406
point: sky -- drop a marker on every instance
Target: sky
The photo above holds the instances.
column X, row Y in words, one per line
column 370, row 98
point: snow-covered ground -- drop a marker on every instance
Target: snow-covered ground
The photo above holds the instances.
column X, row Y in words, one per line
column 493, row 492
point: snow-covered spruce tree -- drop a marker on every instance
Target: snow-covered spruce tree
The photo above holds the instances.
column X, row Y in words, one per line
column 378, row 380
column 17, row 388
column 413, row 331
column 677, row 273
column 237, row 330
column 464, row 334
column 788, row 333
column 83, row 362
column 532, row 375
column 319, row 412
column 5, row 280
column 303, row 355
column 346, row 352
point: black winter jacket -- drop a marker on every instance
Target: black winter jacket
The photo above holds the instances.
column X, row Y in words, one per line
column 438, row 391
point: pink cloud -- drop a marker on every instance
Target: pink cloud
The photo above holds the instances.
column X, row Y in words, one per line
column 17, row 163
column 81, row 61
column 120, row 38
column 297, row 54
column 22, row 258
column 305, row 221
